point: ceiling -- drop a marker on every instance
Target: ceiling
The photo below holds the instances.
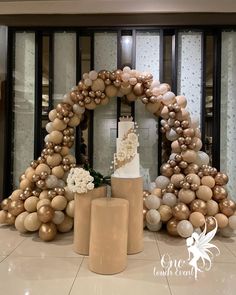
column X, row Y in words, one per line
column 114, row 6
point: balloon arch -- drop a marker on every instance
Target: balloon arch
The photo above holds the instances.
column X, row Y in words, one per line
column 187, row 194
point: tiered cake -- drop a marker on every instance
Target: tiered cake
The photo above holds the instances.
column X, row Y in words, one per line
column 126, row 158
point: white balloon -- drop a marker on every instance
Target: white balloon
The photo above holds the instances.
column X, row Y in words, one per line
column 162, row 181
column 58, row 217
column 185, row 228
column 78, row 109
column 61, row 183
column 47, row 138
column 172, row 156
column 49, row 127
column 169, row 199
column 155, row 84
column 152, row 202
column 171, row 135
column 93, row 75
column 168, row 97
column 67, row 99
column 227, row 232
column 153, row 216
column 232, row 221
column 51, row 181
column 154, row 227
column 202, row 158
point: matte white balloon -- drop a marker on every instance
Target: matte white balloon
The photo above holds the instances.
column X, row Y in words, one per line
column 232, row 222
column 185, row 228
column 162, row 181
column 153, row 216
column 227, row 232
column 154, row 227
column 169, row 199
column 171, row 135
column 152, row 202
column 202, row 158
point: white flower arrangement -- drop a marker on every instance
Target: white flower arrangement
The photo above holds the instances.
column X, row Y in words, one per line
column 80, row 181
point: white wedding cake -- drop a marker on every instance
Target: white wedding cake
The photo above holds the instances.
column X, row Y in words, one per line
column 126, row 158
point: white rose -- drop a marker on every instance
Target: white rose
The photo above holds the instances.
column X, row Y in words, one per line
column 90, row 186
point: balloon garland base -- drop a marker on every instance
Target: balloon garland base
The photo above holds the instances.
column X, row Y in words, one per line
column 187, row 192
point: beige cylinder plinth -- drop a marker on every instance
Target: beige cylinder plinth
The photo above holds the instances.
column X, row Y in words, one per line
column 108, row 235
column 82, row 218
column 131, row 189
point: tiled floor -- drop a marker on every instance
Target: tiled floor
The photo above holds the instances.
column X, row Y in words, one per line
column 30, row 266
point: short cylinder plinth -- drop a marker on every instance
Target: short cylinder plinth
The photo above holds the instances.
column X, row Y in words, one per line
column 108, row 235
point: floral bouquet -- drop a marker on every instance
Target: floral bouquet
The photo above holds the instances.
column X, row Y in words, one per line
column 82, row 180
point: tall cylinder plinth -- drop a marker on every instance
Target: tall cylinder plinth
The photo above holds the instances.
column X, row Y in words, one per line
column 131, row 189
column 108, row 235
column 82, row 218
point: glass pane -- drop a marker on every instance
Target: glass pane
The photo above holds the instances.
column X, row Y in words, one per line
column 23, row 103
column 85, row 48
column 209, row 98
column 147, row 60
column 45, row 75
column 126, row 49
column 190, row 70
column 105, row 57
column 3, row 68
column 64, row 66
column 228, row 109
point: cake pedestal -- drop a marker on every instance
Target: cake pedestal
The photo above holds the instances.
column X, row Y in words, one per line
column 131, row 189
column 108, row 235
column 82, row 218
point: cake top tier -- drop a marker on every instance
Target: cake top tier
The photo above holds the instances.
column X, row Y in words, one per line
column 125, row 125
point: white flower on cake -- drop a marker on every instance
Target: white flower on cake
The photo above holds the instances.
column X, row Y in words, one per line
column 80, row 181
column 132, row 137
column 121, row 155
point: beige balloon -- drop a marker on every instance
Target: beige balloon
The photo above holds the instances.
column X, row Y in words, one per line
column 70, row 209
column 42, row 168
column 3, row 215
column 31, row 204
column 208, row 181
column 43, row 202
column 59, row 203
column 212, row 207
column 66, row 225
column 204, row 193
column 16, row 194
column 58, row 171
column 222, row 220
column 32, row 222
column 19, row 222
column 197, row 219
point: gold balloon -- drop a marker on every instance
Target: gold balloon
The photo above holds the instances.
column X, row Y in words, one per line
column 181, row 211
column 16, row 207
column 210, row 223
column 5, row 203
column 198, row 206
column 45, row 213
column 10, row 219
column 47, row 231
column 192, row 168
column 221, row 178
column 144, row 213
column 172, row 227
column 227, row 207
column 166, row 170
column 165, row 212
column 219, row 193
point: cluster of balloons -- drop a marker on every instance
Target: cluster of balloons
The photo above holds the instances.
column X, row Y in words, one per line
column 187, row 193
